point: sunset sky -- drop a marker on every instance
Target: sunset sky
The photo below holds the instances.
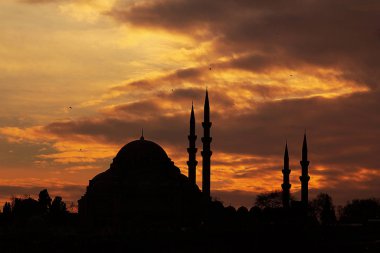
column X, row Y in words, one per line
column 80, row 78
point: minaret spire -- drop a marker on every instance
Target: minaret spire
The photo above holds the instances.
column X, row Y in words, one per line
column 192, row 150
column 206, row 114
column 304, row 178
column 286, row 185
column 142, row 134
column 206, row 153
column 304, row 148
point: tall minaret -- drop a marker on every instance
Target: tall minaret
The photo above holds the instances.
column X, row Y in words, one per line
column 206, row 152
column 192, row 150
column 305, row 174
column 286, row 185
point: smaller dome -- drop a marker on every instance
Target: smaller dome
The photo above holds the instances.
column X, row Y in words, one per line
column 140, row 151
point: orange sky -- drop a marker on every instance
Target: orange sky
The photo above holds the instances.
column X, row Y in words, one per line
column 79, row 79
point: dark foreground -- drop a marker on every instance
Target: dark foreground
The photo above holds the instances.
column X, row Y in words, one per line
column 263, row 238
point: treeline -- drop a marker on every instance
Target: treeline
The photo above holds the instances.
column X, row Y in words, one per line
column 268, row 209
column 44, row 210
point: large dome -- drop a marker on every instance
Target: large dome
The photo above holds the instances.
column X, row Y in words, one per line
column 141, row 151
column 141, row 188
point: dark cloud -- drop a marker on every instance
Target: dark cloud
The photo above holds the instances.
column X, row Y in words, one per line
column 351, row 187
column 21, row 154
column 343, row 35
column 189, row 73
column 193, row 75
column 341, row 130
column 269, row 91
column 166, row 129
column 186, row 95
column 143, row 108
column 124, row 122
column 255, row 62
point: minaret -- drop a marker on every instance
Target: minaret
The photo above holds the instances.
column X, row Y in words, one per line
column 142, row 134
column 206, row 152
column 192, row 150
column 305, row 174
column 286, row 185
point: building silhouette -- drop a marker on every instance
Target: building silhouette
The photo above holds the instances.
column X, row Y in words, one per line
column 286, row 185
column 206, row 152
column 304, row 178
column 143, row 187
column 192, row 150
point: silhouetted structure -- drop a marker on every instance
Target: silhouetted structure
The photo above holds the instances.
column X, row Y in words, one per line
column 142, row 185
column 304, row 178
column 141, row 189
column 192, row 150
column 286, row 185
column 143, row 203
column 206, row 152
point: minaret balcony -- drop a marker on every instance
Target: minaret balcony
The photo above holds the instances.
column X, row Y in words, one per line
column 192, row 163
column 286, row 186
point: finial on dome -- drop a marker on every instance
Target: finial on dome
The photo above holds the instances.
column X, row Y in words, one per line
column 142, row 135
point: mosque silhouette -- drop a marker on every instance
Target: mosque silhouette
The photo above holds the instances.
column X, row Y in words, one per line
column 143, row 187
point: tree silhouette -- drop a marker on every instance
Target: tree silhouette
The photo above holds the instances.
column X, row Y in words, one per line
column 269, row 200
column 44, row 200
column 58, row 207
column 25, row 208
column 242, row 216
column 324, row 209
column 256, row 214
column 360, row 210
column 58, row 212
column 7, row 209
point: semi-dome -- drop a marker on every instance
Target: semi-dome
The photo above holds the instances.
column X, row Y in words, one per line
column 141, row 150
